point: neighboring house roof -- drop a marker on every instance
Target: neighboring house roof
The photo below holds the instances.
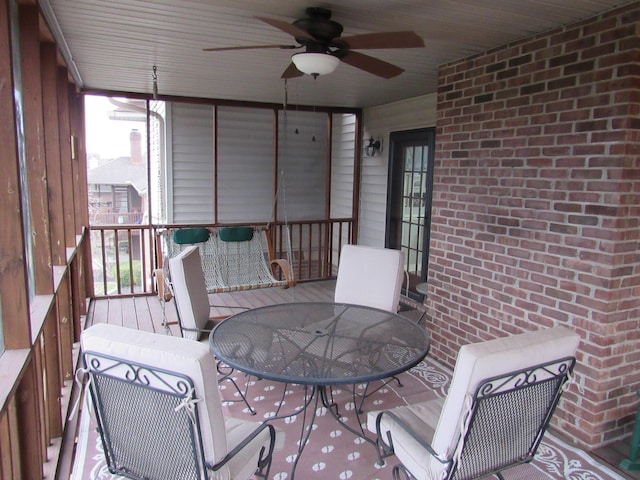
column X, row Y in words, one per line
column 119, row 171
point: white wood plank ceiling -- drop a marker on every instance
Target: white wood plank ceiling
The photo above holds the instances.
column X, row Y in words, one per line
column 114, row 44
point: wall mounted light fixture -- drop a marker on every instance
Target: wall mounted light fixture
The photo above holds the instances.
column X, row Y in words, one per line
column 374, row 146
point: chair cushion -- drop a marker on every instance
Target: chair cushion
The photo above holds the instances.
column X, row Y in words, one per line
column 236, row 234
column 244, row 464
column 190, row 235
column 440, row 423
column 479, row 361
column 190, row 291
column 175, row 354
column 370, row 276
column 424, row 417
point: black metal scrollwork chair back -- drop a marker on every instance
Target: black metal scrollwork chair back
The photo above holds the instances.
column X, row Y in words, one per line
column 159, row 412
column 502, row 396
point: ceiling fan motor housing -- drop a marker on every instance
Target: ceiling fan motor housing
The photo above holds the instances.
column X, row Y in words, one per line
column 319, row 25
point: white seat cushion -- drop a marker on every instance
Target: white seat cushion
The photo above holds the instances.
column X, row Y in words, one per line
column 370, row 276
column 424, row 417
column 190, row 291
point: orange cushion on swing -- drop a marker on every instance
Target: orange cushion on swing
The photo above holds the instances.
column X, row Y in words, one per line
column 236, row 234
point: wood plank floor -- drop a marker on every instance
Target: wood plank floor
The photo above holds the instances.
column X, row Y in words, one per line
column 148, row 313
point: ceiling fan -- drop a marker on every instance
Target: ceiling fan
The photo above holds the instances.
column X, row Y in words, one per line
column 324, row 48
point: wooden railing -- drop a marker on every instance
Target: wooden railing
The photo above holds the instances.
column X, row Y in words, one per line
column 36, row 382
column 125, row 256
column 123, row 259
column 111, row 218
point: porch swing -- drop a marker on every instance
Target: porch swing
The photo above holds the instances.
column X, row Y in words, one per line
column 234, row 258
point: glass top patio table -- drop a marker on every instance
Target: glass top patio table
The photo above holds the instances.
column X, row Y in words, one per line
column 319, row 343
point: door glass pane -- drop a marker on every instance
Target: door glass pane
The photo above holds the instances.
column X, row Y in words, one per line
column 409, row 209
column 409, row 212
column 414, row 204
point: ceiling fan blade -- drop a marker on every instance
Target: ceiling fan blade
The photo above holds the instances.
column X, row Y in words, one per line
column 291, row 72
column 404, row 39
column 372, row 65
column 250, row 47
column 289, row 28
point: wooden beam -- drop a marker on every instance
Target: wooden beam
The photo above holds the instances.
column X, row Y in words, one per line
column 10, row 467
column 30, row 429
column 65, row 157
column 13, row 280
column 35, row 151
column 74, row 141
column 39, row 393
column 77, row 294
column 49, row 70
column 65, row 328
column 51, row 371
column 79, row 157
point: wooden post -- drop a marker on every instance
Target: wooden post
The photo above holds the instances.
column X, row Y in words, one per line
column 65, row 157
column 35, row 150
column 65, row 328
column 30, row 429
column 10, row 466
column 52, row 153
column 51, row 366
column 13, row 279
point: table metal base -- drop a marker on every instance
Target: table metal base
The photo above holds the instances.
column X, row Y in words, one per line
column 319, row 394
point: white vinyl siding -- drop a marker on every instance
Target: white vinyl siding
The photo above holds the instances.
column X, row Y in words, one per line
column 245, row 165
column 303, row 164
column 192, row 185
column 246, row 176
column 342, row 165
column 379, row 122
column 342, row 170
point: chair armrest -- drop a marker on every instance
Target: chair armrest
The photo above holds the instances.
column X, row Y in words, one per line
column 265, row 454
column 285, row 267
column 412, row 304
column 386, row 444
column 194, row 329
column 162, row 285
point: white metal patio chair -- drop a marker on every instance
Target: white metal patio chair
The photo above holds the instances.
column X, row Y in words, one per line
column 372, row 277
column 502, row 395
column 187, row 284
column 159, row 412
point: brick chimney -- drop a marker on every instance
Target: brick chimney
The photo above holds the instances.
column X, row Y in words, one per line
column 136, row 147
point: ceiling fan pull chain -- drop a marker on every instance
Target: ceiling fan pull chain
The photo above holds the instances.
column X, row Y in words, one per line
column 315, row 100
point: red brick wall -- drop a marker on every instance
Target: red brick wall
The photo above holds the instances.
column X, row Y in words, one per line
column 536, row 208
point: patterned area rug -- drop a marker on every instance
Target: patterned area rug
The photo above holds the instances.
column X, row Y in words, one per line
column 333, row 452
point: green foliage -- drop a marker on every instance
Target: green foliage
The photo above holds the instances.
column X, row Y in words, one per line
column 125, row 274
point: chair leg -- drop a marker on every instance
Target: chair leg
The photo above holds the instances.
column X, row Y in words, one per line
column 367, row 394
column 399, row 470
column 227, row 376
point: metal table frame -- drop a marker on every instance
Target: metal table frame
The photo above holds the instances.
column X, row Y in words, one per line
column 318, row 345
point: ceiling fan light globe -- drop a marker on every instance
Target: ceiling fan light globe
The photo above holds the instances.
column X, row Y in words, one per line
column 315, row 64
